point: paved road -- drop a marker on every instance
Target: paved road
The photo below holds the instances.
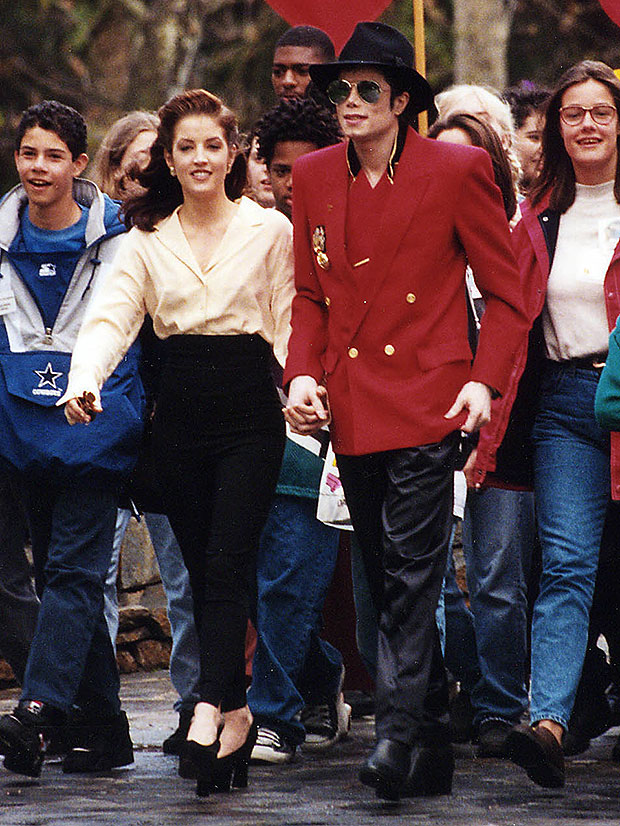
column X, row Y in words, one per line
column 313, row 791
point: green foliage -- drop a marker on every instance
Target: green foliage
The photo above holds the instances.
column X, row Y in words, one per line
column 108, row 56
column 549, row 36
column 439, row 43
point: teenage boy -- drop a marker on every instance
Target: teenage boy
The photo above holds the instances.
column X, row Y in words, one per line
column 384, row 225
column 296, row 692
column 57, row 235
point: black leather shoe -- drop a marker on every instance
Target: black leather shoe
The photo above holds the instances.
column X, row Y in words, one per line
column 98, row 745
column 386, row 769
column 538, row 752
column 431, row 772
column 24, row 733
column 492, row 736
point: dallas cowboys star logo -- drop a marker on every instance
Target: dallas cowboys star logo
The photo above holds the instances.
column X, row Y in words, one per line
column 48, row 376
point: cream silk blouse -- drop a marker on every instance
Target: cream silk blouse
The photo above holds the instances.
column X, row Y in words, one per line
column 246, row 288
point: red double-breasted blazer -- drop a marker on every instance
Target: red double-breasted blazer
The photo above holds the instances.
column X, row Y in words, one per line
column 389, row 339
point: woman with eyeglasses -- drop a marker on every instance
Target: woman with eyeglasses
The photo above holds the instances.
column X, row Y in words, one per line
column 566, row 248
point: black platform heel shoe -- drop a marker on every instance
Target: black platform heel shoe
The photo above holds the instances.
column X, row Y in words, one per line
column 203, row 759
column 233, row 769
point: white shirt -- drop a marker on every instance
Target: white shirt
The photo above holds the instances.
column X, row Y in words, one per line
column 246, row 288
column 574, row 317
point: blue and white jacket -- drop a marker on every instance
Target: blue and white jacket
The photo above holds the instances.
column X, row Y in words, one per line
column 35, row 437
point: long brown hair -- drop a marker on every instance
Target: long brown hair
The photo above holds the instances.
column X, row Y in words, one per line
column 557, row 176
column 115, row 142
column 482, row 135
column 162, row 192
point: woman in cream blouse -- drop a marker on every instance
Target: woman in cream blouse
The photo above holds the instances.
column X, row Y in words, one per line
column 216, row 276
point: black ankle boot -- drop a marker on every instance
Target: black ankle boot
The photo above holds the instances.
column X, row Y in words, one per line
column 386, row 768
column 98, row 745
column 23, row 735
column 174, row 743
column 431, row 772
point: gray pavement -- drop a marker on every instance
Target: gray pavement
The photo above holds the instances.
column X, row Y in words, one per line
column 310, row 792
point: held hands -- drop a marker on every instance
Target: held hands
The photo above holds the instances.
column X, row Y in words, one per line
column 82, row 410
column 308, row 407
column 475, row 397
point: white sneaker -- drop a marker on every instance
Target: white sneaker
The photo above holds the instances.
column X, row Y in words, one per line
column 271, row 748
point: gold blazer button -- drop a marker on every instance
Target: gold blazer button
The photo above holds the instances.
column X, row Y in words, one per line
column 389, row 350
column 410, row 298
column 353, row 352
column 328, row 301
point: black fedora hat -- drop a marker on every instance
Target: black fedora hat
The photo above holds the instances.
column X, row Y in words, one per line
column 378, row 45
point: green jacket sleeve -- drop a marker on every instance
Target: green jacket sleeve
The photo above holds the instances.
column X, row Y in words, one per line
column 607, row 401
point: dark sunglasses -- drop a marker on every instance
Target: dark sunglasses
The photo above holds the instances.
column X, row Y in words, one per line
column 339, row 90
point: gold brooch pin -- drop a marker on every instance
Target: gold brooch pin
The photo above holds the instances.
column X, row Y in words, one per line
column 318, row 246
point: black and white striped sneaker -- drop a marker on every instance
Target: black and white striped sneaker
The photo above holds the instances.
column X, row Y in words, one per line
column 327, row 723
column 271, row 748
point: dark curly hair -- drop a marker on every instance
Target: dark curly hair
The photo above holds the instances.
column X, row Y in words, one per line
column 162, row 192
column 296, row 120
column 524, row 99
column 55, row 117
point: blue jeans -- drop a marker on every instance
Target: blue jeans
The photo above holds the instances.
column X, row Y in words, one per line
column 572, row 486
column 110, row 593
column 71, row 658
column 185, row 655
column 498, row 536
column 460, row 654
column 293, row 666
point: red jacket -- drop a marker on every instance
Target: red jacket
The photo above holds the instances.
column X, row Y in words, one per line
column 389, row 339
column 533, row 260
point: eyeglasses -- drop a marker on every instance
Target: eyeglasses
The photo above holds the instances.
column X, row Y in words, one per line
column 339, row 90
column 601, row 113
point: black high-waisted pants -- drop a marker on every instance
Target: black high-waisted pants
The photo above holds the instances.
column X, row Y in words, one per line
column 218, row 435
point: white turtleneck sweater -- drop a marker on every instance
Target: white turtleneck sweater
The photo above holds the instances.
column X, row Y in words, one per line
column 574, row 318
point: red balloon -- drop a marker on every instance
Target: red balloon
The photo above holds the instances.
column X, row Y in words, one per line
column 336, row 17
column 612, row 9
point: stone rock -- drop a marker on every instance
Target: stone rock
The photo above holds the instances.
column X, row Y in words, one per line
column 6, row 673
column 126, row 662
column 138, row 566
column 136, row 617
column 160, row 615
column 125, row 637
column 152, row 654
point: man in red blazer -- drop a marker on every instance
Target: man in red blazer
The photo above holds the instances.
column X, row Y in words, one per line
column 384, row 225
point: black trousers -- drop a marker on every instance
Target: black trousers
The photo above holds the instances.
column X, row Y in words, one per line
column 401, row 508
column 219, row 438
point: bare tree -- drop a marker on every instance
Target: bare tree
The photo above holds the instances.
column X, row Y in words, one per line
column 481, row 32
